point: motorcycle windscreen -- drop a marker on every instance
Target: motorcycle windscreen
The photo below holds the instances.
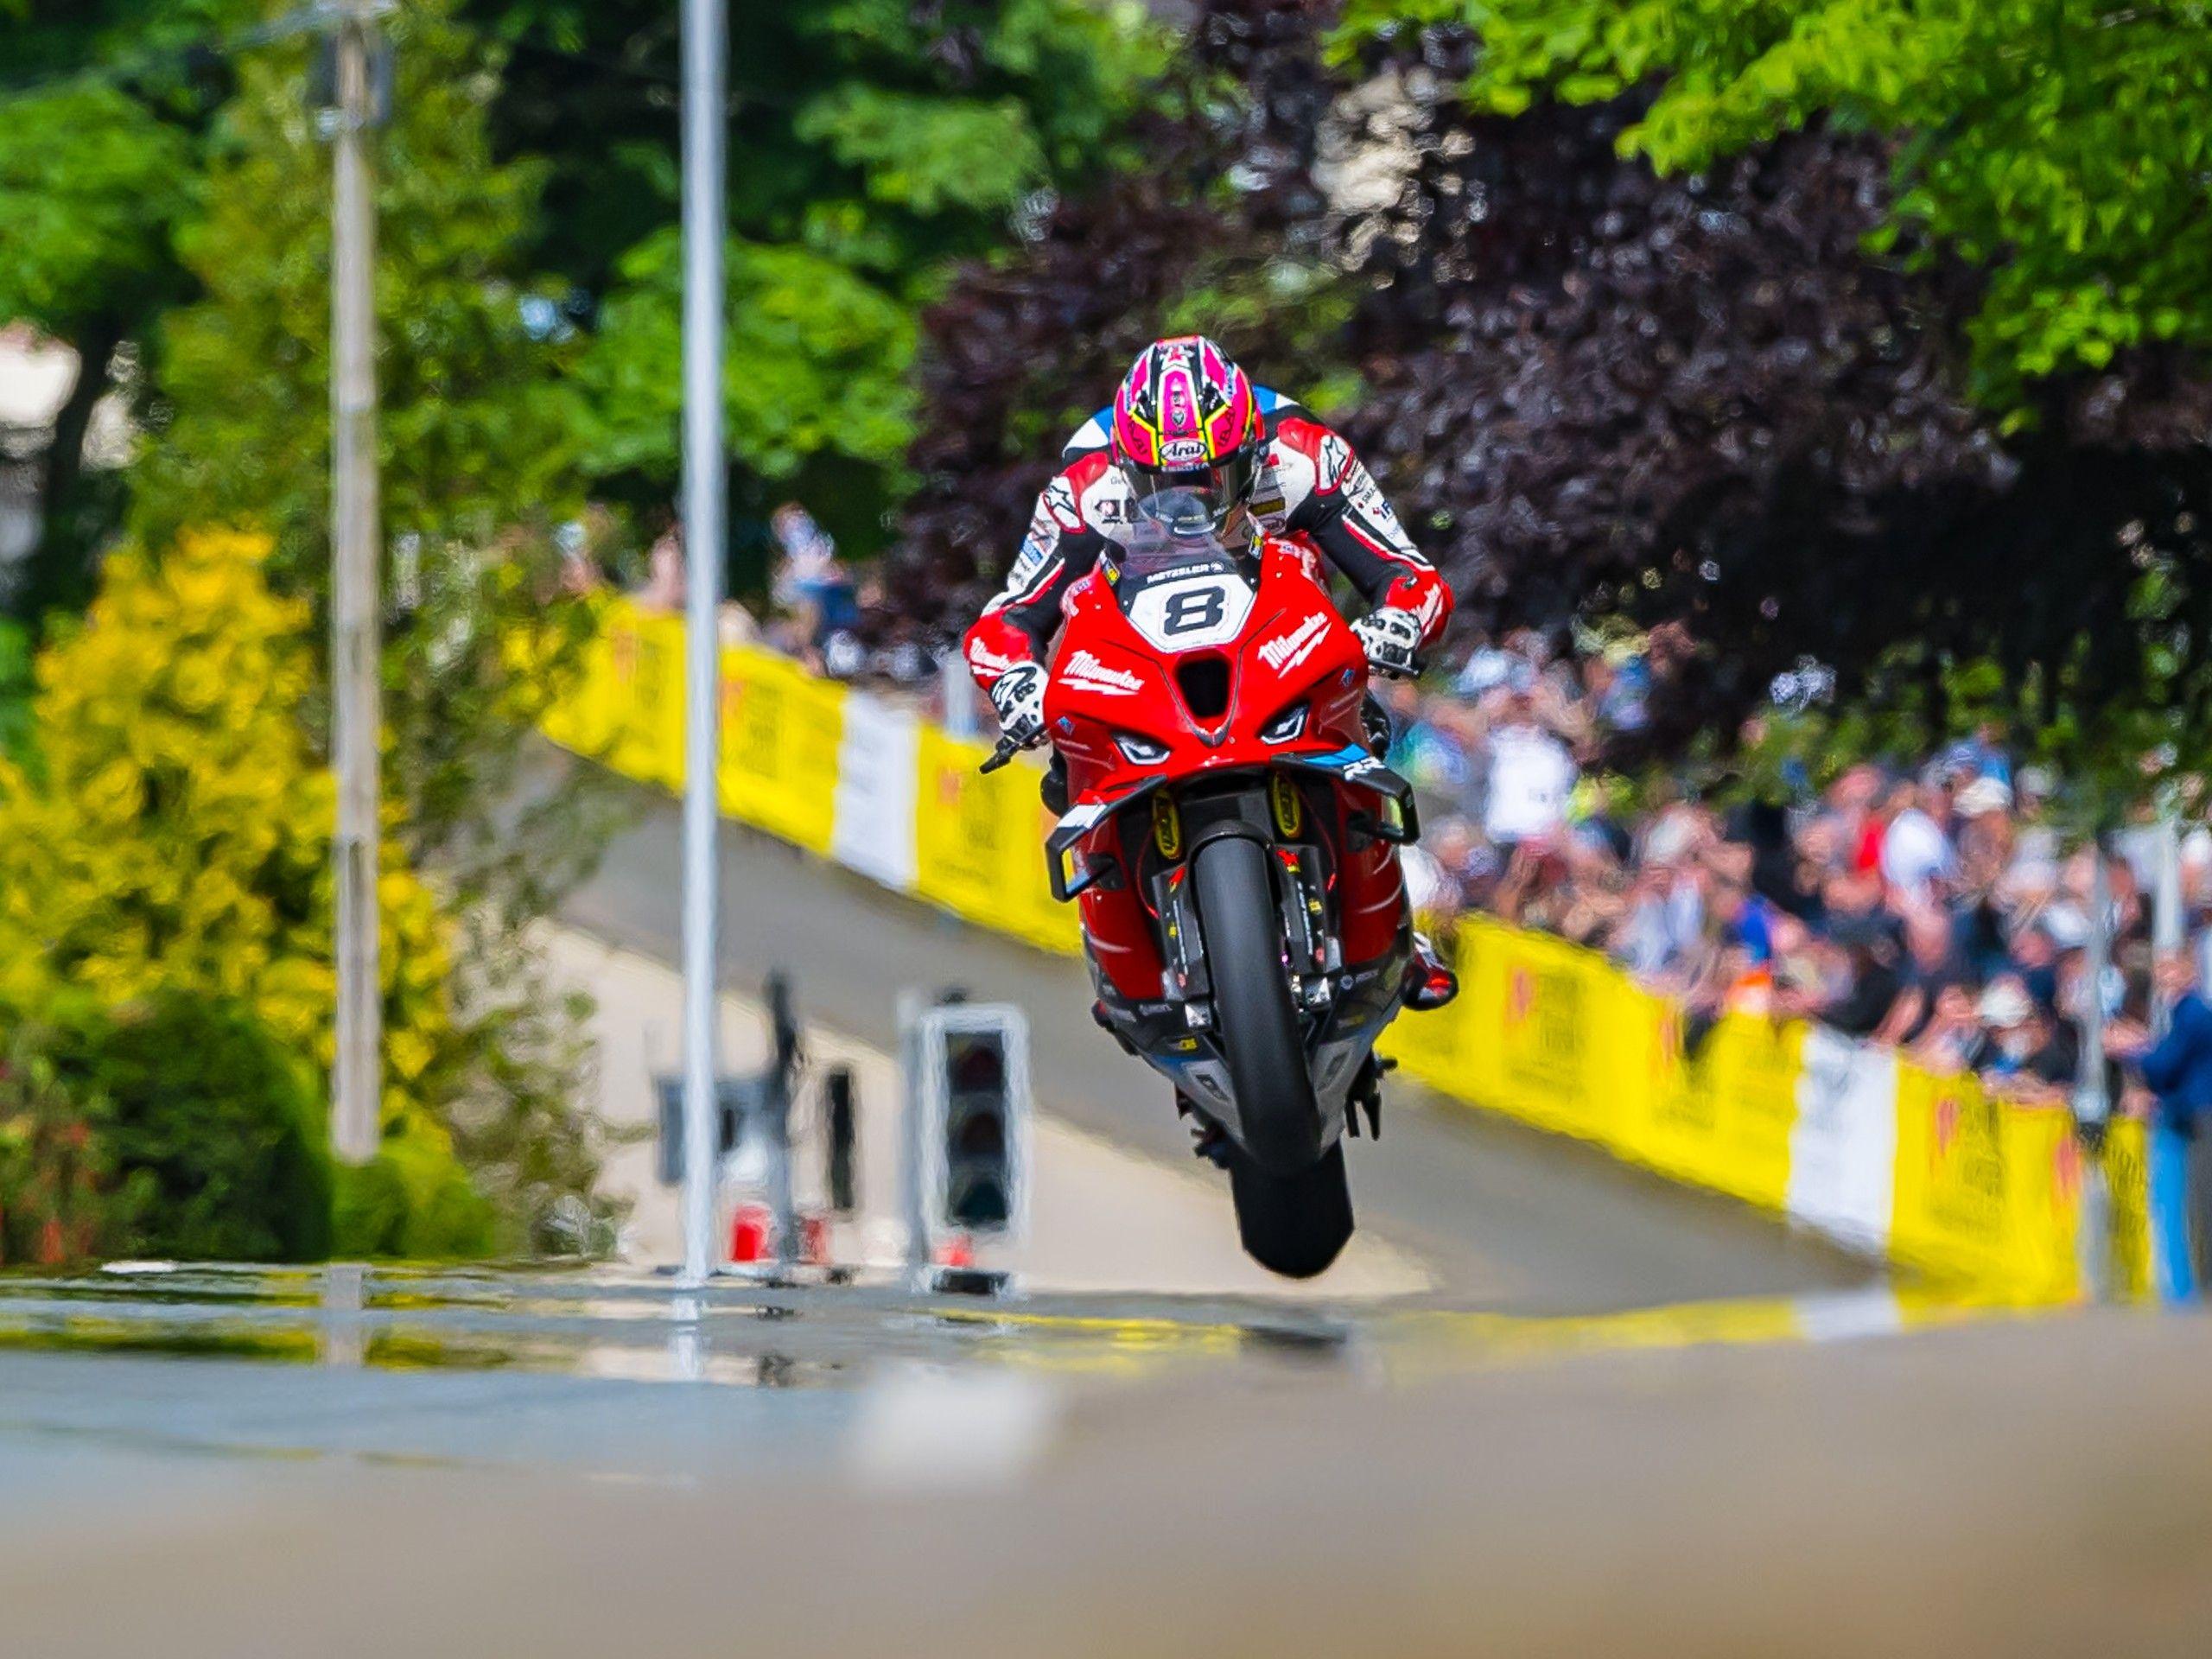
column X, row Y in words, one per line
column 1181, row 585
column 1195, row 499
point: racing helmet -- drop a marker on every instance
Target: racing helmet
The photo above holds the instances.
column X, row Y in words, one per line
column 1185, row 433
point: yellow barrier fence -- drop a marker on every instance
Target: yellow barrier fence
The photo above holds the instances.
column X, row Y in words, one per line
column 1982, row 1189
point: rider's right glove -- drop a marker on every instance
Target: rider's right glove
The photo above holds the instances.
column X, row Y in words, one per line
column 1391, row 636
column 1019, row 696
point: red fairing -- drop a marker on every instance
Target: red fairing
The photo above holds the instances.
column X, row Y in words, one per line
column 1110, row 683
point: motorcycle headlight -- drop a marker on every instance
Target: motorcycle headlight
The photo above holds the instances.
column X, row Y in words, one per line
column 1140, row 751
column 1285, row 726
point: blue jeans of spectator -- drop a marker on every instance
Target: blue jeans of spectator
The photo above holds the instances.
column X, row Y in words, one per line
column 2173, row 1266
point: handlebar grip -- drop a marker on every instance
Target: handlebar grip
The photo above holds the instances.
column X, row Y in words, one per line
column 999, row 756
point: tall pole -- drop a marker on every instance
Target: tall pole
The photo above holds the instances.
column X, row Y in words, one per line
column 356, row 706
column 2168, row 931
column 705, row 37
column 2092, row 1105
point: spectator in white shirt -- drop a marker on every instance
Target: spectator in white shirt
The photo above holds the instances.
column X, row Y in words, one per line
column 1915, row 853
column 1523, row 733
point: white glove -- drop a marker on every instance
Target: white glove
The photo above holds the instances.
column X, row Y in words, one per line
column 1391, row 636
column 1019, row 696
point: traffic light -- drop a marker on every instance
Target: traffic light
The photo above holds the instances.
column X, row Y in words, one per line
column 978, row 1171
column 736, row 1100
column 972, row 1061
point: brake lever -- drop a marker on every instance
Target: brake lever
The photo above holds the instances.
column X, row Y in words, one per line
column 1007, row 749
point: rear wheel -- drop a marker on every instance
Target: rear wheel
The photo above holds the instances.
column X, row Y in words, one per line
column 1253, row 1013
column 1293, row 1225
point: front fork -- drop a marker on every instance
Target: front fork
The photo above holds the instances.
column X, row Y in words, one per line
column 1312, row 955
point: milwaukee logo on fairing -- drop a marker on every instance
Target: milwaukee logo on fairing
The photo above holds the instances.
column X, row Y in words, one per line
column 1295, row 646
column 1086, row 670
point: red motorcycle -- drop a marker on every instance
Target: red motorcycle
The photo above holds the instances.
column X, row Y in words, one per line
column 1232, row 842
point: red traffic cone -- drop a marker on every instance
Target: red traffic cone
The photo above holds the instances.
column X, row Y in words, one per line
column 752, row 1232
column 814, row 1241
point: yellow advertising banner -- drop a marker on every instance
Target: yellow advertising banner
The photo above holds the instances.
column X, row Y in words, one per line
column 781, row 728
column 2044, row 1165
column 586, row 719
column 1553, row 1033
column 2127, row 1183
column 1747, row 1068
column 1950, row 1210
column 979, row 843
column 1668, row 1119
column 647, row 736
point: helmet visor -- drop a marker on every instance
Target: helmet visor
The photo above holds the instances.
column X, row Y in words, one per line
column 1192, row 498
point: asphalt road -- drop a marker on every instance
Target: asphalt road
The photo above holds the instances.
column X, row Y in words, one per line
column 1630, row 1421
column 473, row 1465
column 1506, row 1216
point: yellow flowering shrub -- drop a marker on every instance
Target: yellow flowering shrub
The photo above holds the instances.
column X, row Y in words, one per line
column 174, row 829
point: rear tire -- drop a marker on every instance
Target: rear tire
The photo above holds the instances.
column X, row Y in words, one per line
column 1297, row 1225
column 1253, row 1014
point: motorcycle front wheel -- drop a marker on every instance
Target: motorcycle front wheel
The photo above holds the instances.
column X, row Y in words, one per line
column 1294, row 1226
column 1293, row 1209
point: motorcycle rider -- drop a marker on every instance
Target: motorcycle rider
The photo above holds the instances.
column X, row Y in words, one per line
column 1187, row 419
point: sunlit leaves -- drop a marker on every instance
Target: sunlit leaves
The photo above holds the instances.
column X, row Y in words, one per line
column 816, row 363
column 90, row 184
column 928, row 154
column 2062, row 148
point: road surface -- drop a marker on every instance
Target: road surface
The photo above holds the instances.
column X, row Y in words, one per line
column 1627, row 1419
column 859, row 1471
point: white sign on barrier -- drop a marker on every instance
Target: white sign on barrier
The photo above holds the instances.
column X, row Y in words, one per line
column 1843, row 1149
column 873, row 831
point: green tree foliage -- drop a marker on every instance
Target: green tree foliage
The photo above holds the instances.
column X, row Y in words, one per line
column 2059, row 146
column 177, row 829
column 215, row 1121
column 14, row 691
column 104, row 115
column 477, row 449
column 872, row 142
column 180, row 1125
column 61, row 1200
column 817, row 364
column 1837, row 332
column 473, row 433
column 170, row 862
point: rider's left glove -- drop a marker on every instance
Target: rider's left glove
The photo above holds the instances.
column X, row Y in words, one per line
column 1391, row 636
column 1019, row 696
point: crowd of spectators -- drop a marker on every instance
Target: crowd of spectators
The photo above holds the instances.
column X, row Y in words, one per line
column 1934, row 909
column 823, row 612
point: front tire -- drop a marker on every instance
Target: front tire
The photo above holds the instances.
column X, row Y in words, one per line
column 1254, row 1016
column 1294, row 1226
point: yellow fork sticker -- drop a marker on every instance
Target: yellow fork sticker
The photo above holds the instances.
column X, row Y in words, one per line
column 1167, row 828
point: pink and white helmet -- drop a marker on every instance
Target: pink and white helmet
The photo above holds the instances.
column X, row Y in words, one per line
column 1186, row 430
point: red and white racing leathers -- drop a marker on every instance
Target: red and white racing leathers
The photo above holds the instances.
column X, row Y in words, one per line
column 1309, row 488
